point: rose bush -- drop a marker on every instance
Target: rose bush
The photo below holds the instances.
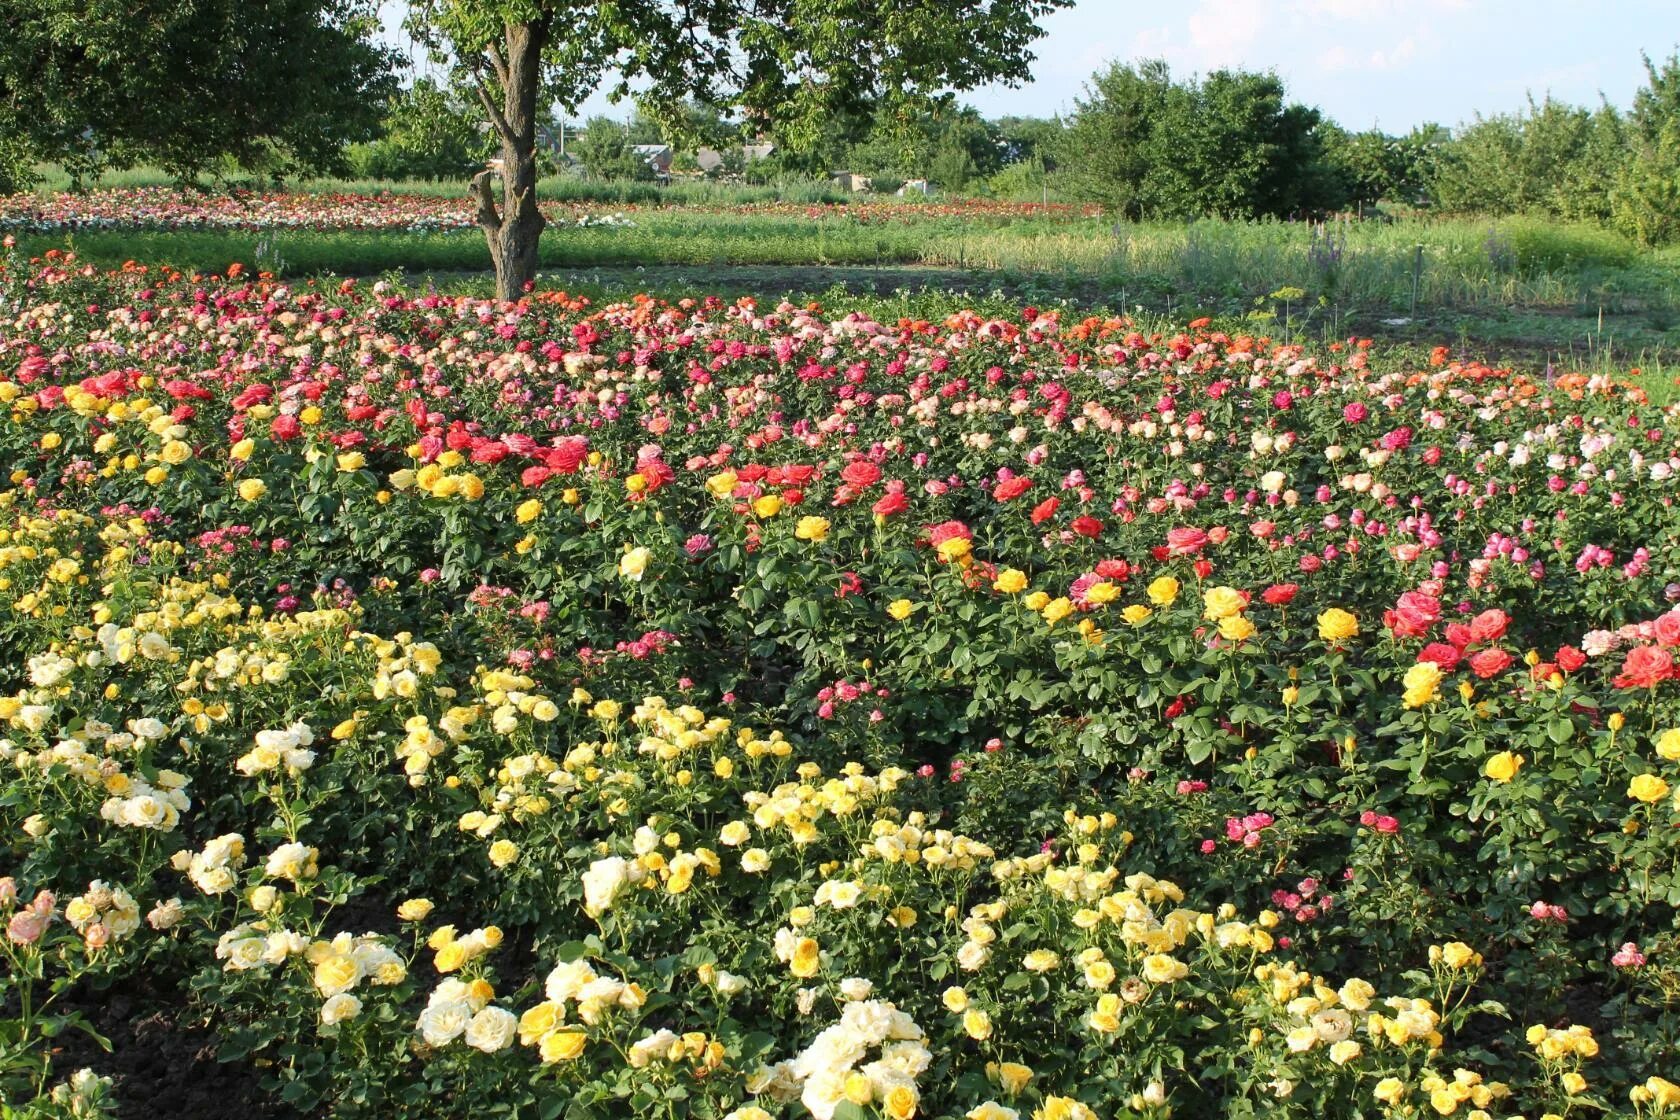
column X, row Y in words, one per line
column 723, row 710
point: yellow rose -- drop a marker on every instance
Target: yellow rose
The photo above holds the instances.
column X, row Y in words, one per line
column 1136, row 614
column 1421, row 682
column 954, row 549
column 633, row 564
column 1057, row 609
column 561, row 1046
column 1013, row 1077
column 503, row 852
column 977, row 1024
column 251, row 489
column 1010, row 581
column 1163, row 590
column 807, row 958
column 529, row 510
column 955, row 1000
column 811, row 528
column 175, row 452
column 769, row 505
column 722, row 484
column 336, row 973
column 1648, row 788
column 1036, row 601
column 1222, row 602
column 451, row 957
column 1668, row 745
column 1456, row 954
column 1503, row 766
column 538, row 1021
column 1337, row 625
column 241, row 451
column 351, row 461
column 1236, row 628
column 1159, row 968
column 857, row 1089
column 900, row 609
column 415, row 909
column 900, row 1102
column 1389, row 1090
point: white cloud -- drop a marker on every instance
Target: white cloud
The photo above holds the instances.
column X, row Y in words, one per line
column 1224, row 32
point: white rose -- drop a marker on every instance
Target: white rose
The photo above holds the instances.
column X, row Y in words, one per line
column 339, row 1008
column 855, row 988
column 492, row 1029
column 442, row 1023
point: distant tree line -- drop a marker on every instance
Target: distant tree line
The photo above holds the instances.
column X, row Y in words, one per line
column 1152, row 146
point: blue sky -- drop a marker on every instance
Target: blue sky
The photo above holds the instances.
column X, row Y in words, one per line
column 1390, row 63
column 1387, row 63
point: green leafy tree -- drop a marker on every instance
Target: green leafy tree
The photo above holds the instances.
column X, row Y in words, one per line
column 603, row 147
column 189, row 85
column 1646, row 199
column 1024, row 139
column 1227, row 145
column 787, row 66
column 1551, row 158
column 429, row 133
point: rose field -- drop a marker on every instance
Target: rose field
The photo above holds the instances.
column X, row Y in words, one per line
column 735, row 710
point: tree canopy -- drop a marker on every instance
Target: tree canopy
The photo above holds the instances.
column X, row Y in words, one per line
column 785, row 67
column 187, row 85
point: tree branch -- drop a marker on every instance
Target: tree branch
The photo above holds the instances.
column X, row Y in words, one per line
column 498, row 63
column 497, row 118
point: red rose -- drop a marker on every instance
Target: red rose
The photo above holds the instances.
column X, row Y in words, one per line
column 1186, row 541
column 1645, row 667
column 1489, row 626
column 1668, row 629
column 1011, row 488
column 893, row 501
column 1045, row 510
column 1413, row 615
column 861, row 473
column 1569, row 659
column 1280, row 594
column 1458, row 634
column 1087, row 526
column 567, row 457
column 1490, row 663
column 1444, row 656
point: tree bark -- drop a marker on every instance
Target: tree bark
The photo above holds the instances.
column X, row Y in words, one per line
column 513, row 229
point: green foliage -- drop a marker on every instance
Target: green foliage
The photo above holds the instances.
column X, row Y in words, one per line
column 1552, row 158
column 1646, row 201
column 275, row 88
column 604, row 148
column 429, row 133
column 1225, row 146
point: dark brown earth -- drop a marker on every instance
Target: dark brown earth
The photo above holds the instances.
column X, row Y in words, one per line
column 162, row 1063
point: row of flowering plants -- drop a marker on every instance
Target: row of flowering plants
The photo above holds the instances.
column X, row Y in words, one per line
column 169, row 209
column 727, row 710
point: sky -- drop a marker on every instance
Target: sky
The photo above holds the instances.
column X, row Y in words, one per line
column 1389, row 64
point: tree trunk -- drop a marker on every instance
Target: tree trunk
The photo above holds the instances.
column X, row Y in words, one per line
column 514, row 229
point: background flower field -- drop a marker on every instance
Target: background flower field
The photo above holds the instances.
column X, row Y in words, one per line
column 721, row 708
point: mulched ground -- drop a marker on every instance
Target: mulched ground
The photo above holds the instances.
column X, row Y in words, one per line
column 162, row 1063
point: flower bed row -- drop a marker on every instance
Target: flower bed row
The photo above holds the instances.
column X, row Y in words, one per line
column 731, row 710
